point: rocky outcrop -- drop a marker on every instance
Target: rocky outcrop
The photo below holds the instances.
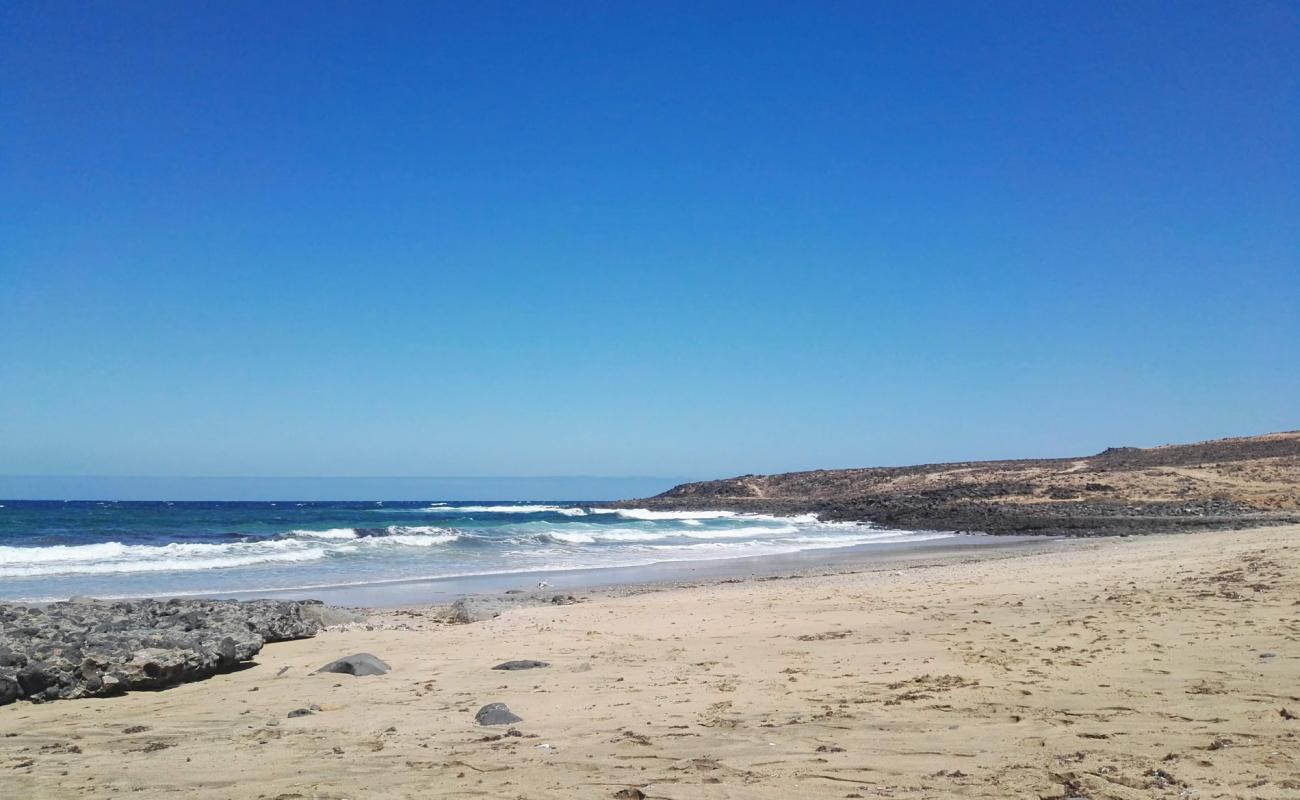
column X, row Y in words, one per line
column 90, row 648
column 1225, row 483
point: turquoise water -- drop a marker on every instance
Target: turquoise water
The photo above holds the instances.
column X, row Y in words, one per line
column 54, row 550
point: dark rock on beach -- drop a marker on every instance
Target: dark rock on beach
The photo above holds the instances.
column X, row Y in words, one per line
column 496, row 714
column 522, row 664
column 89, row 648
column 359, row 665
column 9, row 691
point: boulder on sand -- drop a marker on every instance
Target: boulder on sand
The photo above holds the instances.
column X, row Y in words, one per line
column 496, row 714
column 359, row 664
column 477, row 609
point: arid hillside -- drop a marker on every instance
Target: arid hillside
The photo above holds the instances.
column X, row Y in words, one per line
column 1253, row 480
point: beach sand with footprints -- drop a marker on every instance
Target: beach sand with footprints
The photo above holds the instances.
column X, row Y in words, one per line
column 1155, row 666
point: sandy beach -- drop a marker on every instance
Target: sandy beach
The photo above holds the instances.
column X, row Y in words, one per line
column 1159, row 666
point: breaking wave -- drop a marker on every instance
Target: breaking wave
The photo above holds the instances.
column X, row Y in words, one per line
column 212, row 548
column 293, row 546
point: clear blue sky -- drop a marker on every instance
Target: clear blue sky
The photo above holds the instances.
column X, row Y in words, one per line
column 690, row 239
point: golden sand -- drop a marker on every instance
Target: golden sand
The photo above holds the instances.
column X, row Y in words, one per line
column 1162, row 666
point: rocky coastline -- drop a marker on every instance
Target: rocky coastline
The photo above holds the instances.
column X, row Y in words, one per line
column 93, row 648
column 1223, row 484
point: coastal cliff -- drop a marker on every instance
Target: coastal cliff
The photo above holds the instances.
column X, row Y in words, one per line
column 1239, row 482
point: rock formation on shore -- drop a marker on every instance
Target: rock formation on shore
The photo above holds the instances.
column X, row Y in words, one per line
column 89, row 648
column 1218, row 484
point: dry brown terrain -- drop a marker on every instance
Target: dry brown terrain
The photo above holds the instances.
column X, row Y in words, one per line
column 1145, row 667
column 1251, row 480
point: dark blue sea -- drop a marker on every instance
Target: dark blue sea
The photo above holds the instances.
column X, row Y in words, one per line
column 54, row 550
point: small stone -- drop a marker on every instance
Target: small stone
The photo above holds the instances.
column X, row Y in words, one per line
column 299, row 712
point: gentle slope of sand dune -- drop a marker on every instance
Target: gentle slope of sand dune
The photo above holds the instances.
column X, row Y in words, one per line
column 1162, row 666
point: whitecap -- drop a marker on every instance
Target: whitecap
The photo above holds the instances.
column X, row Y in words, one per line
column 115, row 557
column 523, row 508
column 647, row 514
column 332, row 533
column 410, row 540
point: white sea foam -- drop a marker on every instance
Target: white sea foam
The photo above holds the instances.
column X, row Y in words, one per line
column 60, row 552
column 596, row 534
column 576, row 511
column 295, row 546
column 521, row 508
column 411, row 537
column 568, row 511
column 647, row 514
column 115, row 557
column 744, row 532
column 573, row 537
column 332, row 533
column 554, row 537
column 419, row 530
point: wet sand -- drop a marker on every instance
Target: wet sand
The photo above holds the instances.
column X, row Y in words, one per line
column 617, row 580
column 1156, row 666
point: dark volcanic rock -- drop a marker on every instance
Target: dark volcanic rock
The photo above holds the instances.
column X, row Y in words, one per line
column 9, row 690
column 496, row 714
column 522, row 664
column 89, row 648
column 359, row 665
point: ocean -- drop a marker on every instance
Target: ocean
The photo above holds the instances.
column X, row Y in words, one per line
column 54, row 550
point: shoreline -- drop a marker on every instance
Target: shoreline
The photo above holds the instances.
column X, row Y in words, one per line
column 1155, row 666
column 417, row 590
column 439, row 591
column 348, row 558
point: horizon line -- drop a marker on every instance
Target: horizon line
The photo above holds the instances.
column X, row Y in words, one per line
column 340, row 477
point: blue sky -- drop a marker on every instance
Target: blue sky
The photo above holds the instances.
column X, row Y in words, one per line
column 616, row 239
